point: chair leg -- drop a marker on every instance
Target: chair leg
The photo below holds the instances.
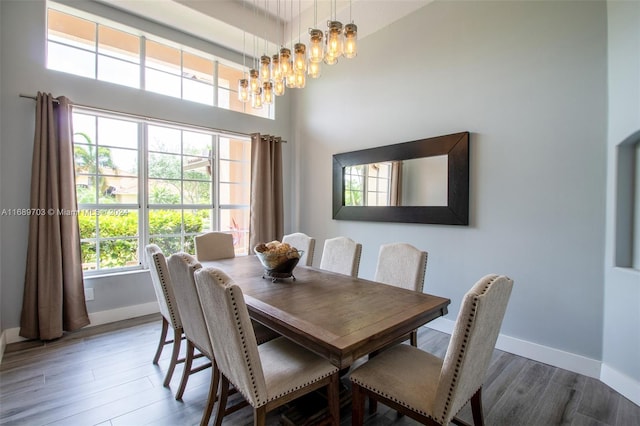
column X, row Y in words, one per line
column 476, row 408
column 259, row 416
column 357, row 405
column 414, row 338
column 186, row 372
column 213, row 393
column 222, row 403
column 333, row 399
column 163, row 338
column 177, row 342
column 373, row 405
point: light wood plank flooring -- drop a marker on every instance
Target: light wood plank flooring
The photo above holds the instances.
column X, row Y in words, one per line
column 104, row 376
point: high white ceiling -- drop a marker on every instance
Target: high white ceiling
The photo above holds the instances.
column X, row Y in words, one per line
column 234, row 23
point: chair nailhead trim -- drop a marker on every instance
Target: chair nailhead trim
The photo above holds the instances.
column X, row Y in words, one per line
column 454, row 382
column 259, row 400
column 175, row 322
column 462, row 354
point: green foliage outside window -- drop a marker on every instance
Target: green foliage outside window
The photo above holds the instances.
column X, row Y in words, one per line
column 118, row 250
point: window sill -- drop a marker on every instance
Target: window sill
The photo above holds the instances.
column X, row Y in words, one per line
column 115, row 274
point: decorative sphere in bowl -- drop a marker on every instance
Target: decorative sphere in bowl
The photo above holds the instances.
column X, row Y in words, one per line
column 279, row 259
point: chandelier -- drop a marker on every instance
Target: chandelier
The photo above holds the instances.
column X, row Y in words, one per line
column 289, row 67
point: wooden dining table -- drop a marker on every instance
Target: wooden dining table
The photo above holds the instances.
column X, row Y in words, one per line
column 337, row 316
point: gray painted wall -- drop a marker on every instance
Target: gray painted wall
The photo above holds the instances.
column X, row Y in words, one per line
column 23, row 71
column 529, row 81
column 621, row 340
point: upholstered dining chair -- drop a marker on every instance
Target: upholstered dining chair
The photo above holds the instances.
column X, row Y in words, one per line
column 214, row 246
column 402, row 265
column 168, row 308
column 219, row 245
column 429, row 389
column 268, row 375
column 341, row 255
column 182, row 267
column 303, row 242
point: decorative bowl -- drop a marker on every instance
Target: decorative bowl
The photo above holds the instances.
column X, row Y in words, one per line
column 278, row 264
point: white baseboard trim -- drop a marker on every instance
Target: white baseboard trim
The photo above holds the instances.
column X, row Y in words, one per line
column 119, row 314
column 556, row 357
column 623, row 384
column 11, row 335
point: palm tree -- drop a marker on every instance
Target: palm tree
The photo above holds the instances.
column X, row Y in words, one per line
column 92, row 163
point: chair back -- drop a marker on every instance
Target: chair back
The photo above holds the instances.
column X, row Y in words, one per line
column 231, row 333
column 214, row 246
column 341, row 255
column 302, row 242
column 401, row 265
column 162, row 285
column 182, row 267
column 471, row 345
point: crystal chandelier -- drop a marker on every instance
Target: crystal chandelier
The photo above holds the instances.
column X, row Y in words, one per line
column 289, row 66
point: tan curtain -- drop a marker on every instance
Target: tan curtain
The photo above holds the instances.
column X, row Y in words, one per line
column 53, row 299
column 267, row 216
column 396, row 184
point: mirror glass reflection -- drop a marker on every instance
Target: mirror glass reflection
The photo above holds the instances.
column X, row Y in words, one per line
column 413, row 182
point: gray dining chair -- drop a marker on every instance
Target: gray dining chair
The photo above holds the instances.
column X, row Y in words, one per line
column 214, row 246
column 341, row 255
column 302, row 242
column 402, row 265
column 161, row 281
column 430, row 389
column 268, row 375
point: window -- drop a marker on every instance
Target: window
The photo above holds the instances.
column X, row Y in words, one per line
column 140, row 182
column 89, row 48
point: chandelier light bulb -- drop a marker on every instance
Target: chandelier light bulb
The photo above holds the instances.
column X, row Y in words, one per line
column 334, row 39
column 276, row 73
column 267, row 92
column 300, row 79
column 300, row 57
column 256, row 99
column 254, row 81
column 330, row 60
column 285, row 61
column 278, row 87
column 265, row 68
column 243, row 90
column 316, row 47
column 291, row 78
column 350, row 41
column 314, row 69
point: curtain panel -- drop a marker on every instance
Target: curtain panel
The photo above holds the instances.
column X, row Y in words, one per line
column 267, row 211
column 53, row 299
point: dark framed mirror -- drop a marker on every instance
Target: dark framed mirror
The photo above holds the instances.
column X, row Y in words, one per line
column 422, row 181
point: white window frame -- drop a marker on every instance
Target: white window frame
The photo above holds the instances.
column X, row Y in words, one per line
column 143, row 206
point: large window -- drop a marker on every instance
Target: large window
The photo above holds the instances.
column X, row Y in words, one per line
column 141, row 182
column 87, row 47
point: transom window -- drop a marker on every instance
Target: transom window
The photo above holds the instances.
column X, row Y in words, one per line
column 93, row 49
column 140, row 181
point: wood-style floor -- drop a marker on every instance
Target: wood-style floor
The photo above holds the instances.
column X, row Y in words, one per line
column 104, row 376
